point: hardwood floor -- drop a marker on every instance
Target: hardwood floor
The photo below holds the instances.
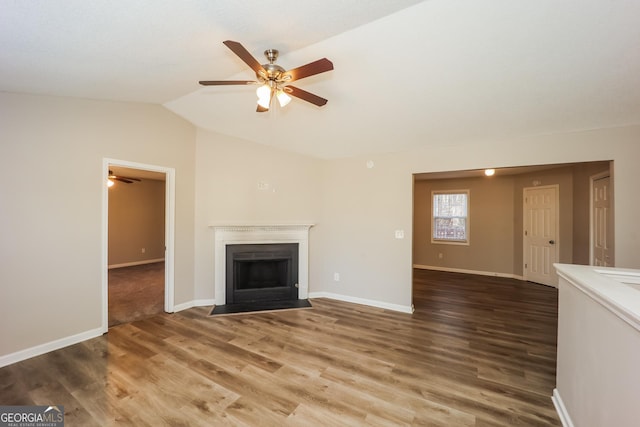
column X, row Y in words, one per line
column 135, row 292
column 478, row 351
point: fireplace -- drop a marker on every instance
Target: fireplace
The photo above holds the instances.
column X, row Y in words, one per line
column 261, row 272
column 230, row 235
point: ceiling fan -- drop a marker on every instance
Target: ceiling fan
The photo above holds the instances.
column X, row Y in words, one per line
column 273, row 79
column 125, row 179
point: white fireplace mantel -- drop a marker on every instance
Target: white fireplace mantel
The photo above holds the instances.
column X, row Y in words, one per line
column 251, row 233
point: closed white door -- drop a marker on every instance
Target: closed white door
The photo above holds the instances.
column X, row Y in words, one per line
column 601, row 223
column 540, row 234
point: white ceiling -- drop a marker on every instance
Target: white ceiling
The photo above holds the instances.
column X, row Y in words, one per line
column 407, row 73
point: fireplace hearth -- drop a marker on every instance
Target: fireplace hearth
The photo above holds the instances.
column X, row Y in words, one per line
column 258, row 273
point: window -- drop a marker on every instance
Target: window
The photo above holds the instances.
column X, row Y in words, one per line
column 450, row 217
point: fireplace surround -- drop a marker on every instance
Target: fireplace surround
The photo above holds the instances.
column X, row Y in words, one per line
column 254, row 234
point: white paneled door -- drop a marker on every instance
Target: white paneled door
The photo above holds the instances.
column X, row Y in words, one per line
column 602, row 223
column 540, row 234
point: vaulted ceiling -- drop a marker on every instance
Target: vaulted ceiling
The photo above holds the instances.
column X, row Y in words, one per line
column 408, row 73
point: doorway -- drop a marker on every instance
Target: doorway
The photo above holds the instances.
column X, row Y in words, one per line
column 601, row 236
column 144, row 259
column 540, row 234
column 496, row 212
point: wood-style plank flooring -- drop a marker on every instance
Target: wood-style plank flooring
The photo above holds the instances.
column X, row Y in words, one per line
column 478, row 351
column 135, row 292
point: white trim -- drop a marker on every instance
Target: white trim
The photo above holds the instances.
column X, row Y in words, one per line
column 170, row 202
column 465, row 271
column 244, row 233
column 467, row 241
column 134, row 263
column 28, row 353
column 563, row 414
column 104, row 327
column 604, row 285
column 195, row 303
column 170, row 238
column 592, row 180
column 362, row 301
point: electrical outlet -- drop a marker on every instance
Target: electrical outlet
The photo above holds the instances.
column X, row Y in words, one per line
column 336, row 277
column 440, row 256
column 143, row 250
column 399, row 234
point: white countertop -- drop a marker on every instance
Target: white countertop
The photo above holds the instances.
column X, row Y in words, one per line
column 617, row 289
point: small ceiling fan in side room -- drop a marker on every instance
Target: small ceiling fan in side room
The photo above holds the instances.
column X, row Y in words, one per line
column 273, row 79
column 125, row 179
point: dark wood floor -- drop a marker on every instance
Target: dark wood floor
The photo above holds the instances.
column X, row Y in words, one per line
column 135, row 292
column 477, row 351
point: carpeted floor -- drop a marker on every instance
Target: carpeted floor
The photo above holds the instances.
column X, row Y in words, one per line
column 135, row 292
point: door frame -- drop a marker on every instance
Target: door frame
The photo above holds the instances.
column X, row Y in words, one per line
column 169, row 233
column 557, row 225
column 592, row 180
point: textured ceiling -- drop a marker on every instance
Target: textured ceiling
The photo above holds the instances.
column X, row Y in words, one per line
column 156, row 50
column 407, row 74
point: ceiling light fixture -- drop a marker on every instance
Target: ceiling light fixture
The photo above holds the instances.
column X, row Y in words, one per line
column 283, row 98
column 110, row 183
column 489, row 172
column 264, row 96
column 266, row 93
column 274, row 80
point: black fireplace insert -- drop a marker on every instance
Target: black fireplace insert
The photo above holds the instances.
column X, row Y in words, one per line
column 261, row 272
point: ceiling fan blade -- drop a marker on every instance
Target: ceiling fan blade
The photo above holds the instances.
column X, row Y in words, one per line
column 244, row 54
column 130, row 178
column 305, row 96
column 226, row 82
column 117, row 178
column 310, row 69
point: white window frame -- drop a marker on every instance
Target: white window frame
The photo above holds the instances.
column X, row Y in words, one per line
column 445, row 241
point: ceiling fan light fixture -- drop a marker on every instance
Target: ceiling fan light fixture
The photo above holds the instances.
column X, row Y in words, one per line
column 283, row 98
column 110, row 183
column 263, row 91
column 264, row 96
column 272, row 78
column 489, row 172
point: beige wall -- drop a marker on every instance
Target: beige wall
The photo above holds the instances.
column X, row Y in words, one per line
column 497, row 219
column 51, row 157
column 136, row 221
column 52, row 151
column 362, row 207
column 491, row 226
column 582, row 174
column 228, row 171
column 563, row 178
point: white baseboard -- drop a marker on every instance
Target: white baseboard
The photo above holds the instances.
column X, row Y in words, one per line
column 194, row 303
column 131, row 264
column 369, row 302
column 28, row 353
column 563, row 414
column 465, row 271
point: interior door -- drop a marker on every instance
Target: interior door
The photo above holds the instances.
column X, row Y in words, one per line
column 601, row 223
column 540, row 234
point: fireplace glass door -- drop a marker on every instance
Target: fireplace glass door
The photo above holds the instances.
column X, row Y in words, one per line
column 261, row 272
